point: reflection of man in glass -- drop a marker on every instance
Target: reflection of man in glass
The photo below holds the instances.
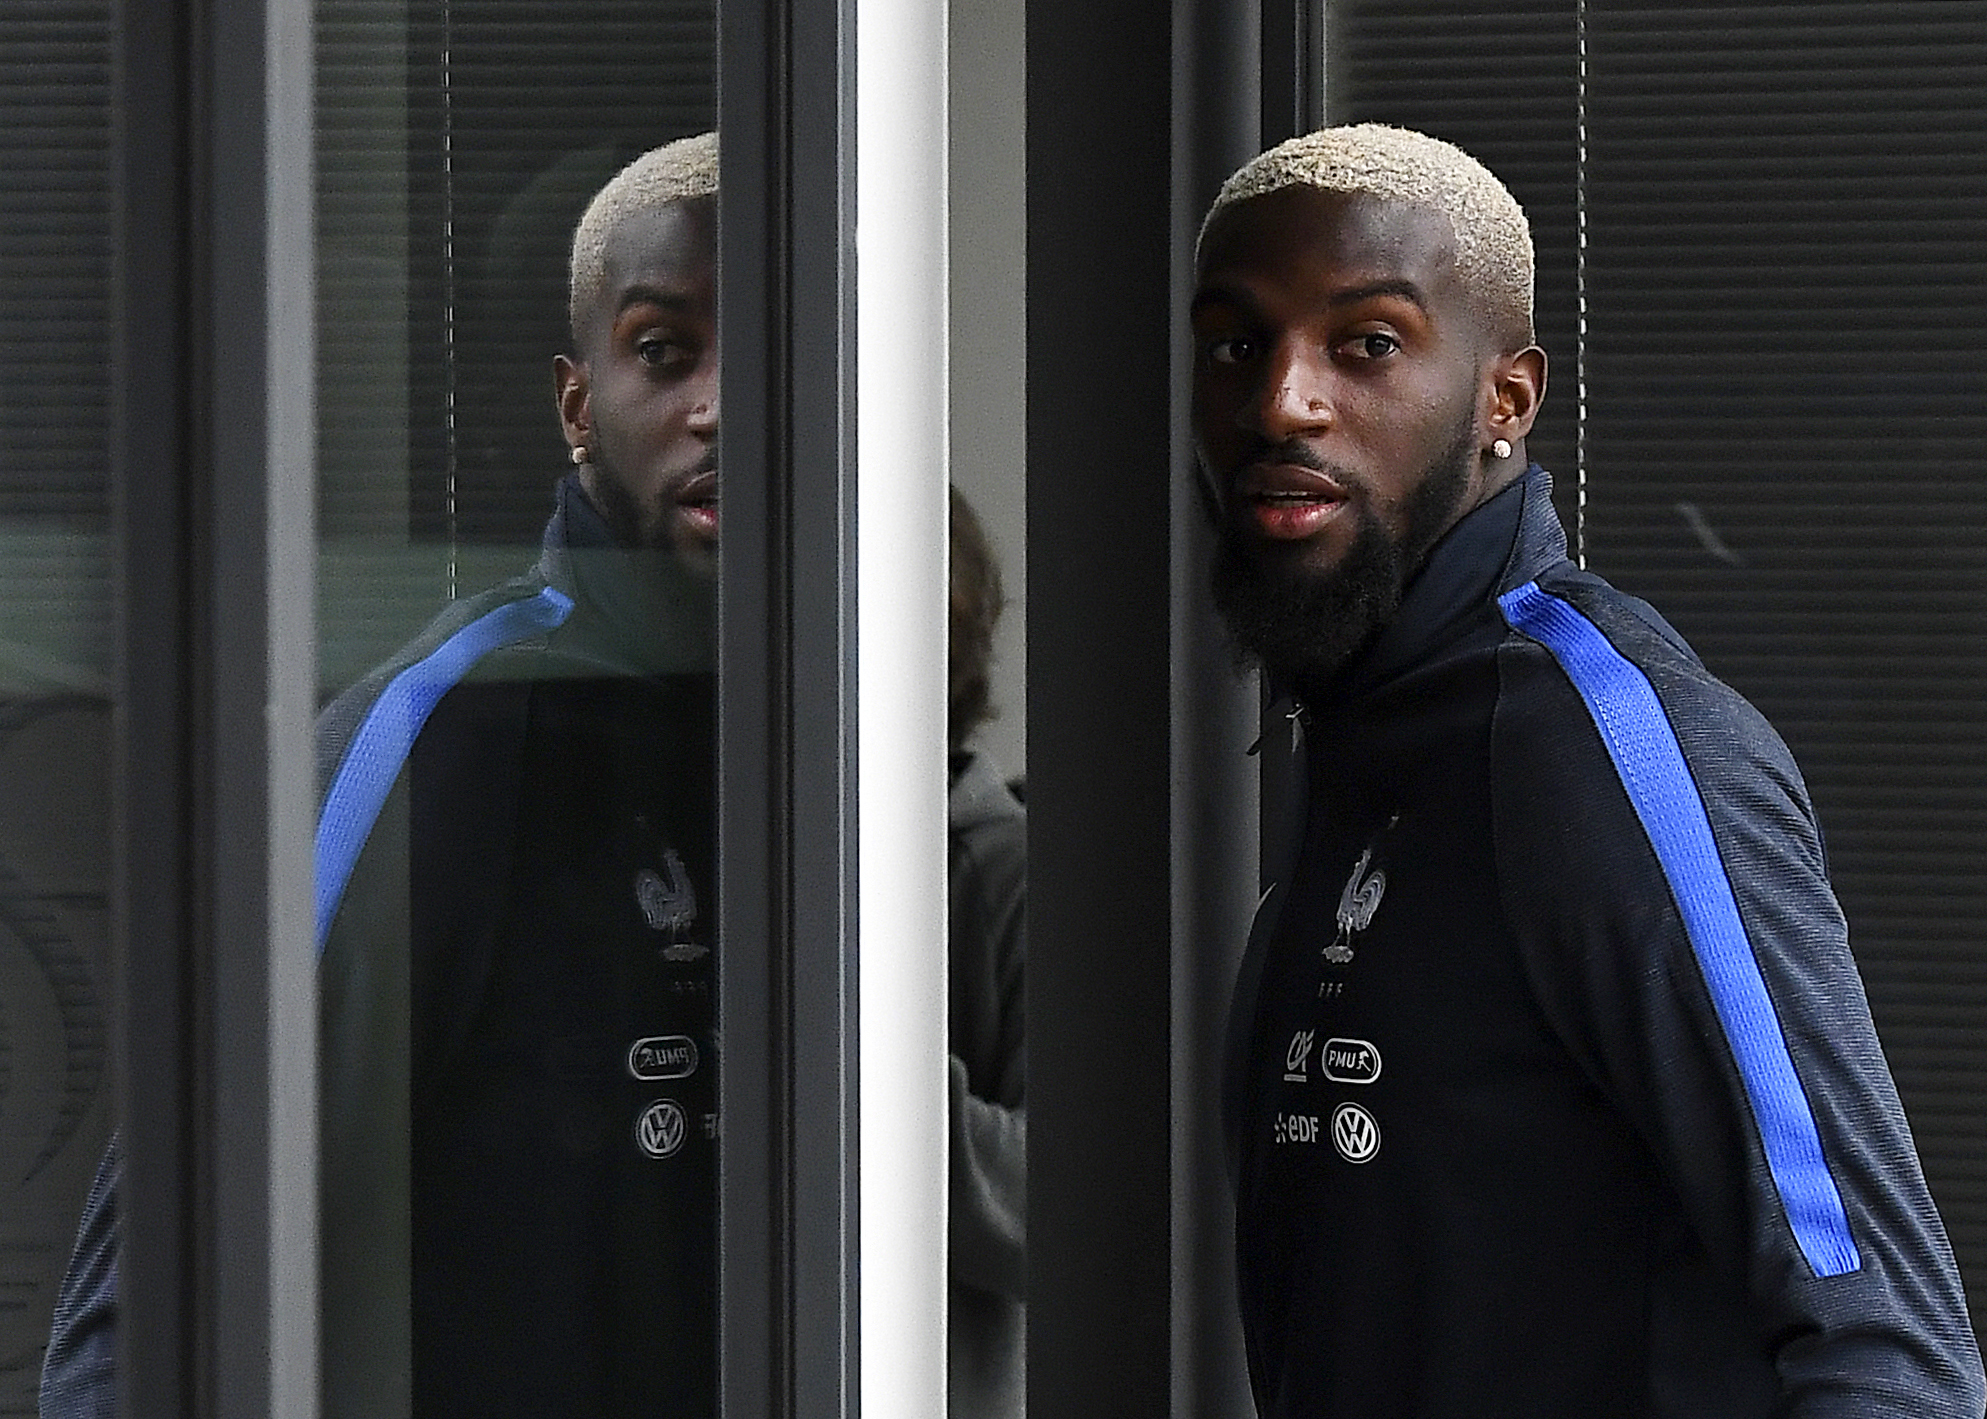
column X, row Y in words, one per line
column 561, row 1124
column 515, row 874
column 639, row 396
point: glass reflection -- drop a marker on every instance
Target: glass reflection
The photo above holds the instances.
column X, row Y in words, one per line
column 517, row 873
column 987, row 936
column 55, row 642
column 516, row 865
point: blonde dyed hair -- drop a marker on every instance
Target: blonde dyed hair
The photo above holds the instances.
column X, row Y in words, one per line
column 1493, row 239
column 675, row 172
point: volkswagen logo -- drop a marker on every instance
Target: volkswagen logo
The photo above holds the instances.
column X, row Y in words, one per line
column 1356, row 1133
column 661, row 1129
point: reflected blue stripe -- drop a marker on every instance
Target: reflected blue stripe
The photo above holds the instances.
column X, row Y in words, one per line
column 1650, row 762
column 372, row 761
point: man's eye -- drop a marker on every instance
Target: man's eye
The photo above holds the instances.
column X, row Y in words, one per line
column 1231, row 351
column 1373, row 346
column 660, row 352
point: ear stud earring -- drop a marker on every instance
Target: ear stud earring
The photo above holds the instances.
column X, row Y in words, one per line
column 1500, row 448
column 579, row 453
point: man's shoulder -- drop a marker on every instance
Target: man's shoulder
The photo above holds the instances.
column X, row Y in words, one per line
column 1589, row 670
column 1578, row 633
column 1625, row 774
column 451, row 636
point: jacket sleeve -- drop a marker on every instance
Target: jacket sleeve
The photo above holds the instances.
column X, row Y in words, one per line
column 989, row 1202
column 1661, row 866
column 79, row 1373
column 364, row 1118
column 988, row 1061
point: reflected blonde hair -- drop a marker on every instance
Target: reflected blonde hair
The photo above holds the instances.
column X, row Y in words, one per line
column 1494, row 255
column 675, row 172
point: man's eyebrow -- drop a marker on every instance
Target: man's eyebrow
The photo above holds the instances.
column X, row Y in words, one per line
column 1219, row 294
column 1406, row 290
column 676, row 302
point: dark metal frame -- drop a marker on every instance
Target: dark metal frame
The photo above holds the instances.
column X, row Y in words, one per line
column 787, row 677
column 1142, row 803
column 212, row 494
column 1293, row 62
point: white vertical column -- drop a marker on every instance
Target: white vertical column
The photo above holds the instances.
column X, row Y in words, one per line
column 901, row 521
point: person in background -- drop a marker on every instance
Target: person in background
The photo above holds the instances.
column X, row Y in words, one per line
column 987, row 884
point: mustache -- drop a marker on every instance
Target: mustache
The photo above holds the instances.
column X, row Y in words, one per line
column 1263, row 453
column 1295, row 452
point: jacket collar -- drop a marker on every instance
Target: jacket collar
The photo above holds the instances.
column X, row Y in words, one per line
column 1507, row 541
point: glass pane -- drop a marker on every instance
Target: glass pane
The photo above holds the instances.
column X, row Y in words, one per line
column 55, row 619
column 987, row 711
column 516, row 855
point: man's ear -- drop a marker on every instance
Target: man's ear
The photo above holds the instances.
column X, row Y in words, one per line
column 570, row 389
column 1517, row 387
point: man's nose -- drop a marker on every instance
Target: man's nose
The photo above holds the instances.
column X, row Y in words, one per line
column 704, row 412
column 1294, row 396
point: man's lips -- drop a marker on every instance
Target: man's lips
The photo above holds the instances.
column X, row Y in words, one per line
column 697, row 501
column 1287, row 501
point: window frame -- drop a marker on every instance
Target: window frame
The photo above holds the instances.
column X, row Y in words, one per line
column 213, row 491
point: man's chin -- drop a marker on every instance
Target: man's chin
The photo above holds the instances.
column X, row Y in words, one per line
column 698, row 560
column 1296, row 618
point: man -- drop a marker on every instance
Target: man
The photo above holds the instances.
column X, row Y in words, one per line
column 1552, row 1090
column 515, row 861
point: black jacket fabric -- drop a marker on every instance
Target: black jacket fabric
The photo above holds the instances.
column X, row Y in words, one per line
column 518, row 1105
column 987, row 891
column 79, row 1370
column 1552, row 1087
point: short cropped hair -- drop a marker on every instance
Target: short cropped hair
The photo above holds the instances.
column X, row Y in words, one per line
column 1494, row 254
column 674, row 172
column 974, row 605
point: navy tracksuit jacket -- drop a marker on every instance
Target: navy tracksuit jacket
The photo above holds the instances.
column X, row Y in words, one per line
column 1553, row 1091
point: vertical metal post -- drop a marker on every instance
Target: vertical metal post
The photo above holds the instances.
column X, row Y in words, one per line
column 1292, row 68
column 213, row 491
column 1223, row 78
column 1101, row 461
column 1141, row 798
column 787, row 712
column 901, row 619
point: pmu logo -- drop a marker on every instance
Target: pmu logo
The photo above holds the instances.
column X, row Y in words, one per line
column 1350, row 1062
column 661, row 1129
column 663, row 1057
column 1355, row 1133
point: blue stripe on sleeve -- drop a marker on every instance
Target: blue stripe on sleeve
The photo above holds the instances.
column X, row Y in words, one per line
column 1650, row 762
column 372, row 761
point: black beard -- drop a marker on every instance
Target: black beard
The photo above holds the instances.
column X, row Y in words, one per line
column 673, row 601
column 1302, row 625
column 632, row 525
